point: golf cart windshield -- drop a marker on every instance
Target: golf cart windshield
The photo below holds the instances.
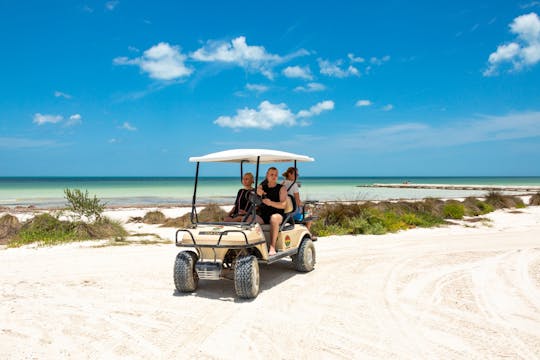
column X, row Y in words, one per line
column 241, row 156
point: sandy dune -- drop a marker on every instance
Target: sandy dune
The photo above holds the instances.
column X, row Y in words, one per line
column 451, row 292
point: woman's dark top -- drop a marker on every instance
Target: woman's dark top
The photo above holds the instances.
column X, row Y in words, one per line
column 273, row 194
column 241, row 202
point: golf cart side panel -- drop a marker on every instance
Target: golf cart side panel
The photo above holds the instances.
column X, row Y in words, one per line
column 291, row 239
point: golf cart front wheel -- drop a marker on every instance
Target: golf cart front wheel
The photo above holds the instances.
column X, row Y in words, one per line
column 304, row 261
column 246, row 277
column 185, row 276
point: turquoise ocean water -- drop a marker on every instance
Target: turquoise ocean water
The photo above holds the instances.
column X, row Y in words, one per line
column 147, row 191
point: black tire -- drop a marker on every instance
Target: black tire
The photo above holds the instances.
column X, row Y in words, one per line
column 246, row 277
column 185, row 276
column 304, row 261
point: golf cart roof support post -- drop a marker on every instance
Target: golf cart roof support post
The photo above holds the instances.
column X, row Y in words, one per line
column 242, row 170
column 193, row 207
column 295, row 177
column 257, row 173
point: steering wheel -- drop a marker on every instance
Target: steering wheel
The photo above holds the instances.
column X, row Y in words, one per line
column 254, row 200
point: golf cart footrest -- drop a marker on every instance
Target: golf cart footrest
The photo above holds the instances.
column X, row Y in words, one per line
column 208, row 270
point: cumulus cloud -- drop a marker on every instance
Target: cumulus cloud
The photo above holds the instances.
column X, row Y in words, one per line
column 337, row 69
column 311, row 87
column 387, row 107
column 111, row 5
column 268, row 115
column 62, row 94
column 41, row 119
column 379, row 61
column 161, row 62
column 523, row 52
column 127, row 126
column 238, row 52
column 355, row 59
column 298, row 72
column 316, row 109
column 74, row 119
column 364, row 102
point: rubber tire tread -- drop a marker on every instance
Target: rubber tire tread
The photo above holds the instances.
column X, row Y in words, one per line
column 243, row 277
column 185, row 276
column 300, row 260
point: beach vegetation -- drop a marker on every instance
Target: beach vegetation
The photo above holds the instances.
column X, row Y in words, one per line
column 154, row 217
column 211, row 213
column 9, row 225
column 453, row 210
column 46, row 229
column 391, row 216
column 82, row 205
column 535, row 199
column 501, row 201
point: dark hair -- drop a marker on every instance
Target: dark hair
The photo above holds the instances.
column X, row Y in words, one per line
column 290, row 171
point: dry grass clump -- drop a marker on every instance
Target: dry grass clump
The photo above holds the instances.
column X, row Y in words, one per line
column 9, row 226
column 535, row 199
column 49, row 230
column 500, row 201
column 212, row 213
column 178, row 222
column 154, row 217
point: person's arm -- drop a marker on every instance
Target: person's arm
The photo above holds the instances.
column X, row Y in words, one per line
column 297, row 199
column 282, row 203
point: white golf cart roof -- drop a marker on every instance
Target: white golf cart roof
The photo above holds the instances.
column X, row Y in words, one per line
column 250, row 156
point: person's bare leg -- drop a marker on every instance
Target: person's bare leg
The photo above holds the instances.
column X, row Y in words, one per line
column 275, row 221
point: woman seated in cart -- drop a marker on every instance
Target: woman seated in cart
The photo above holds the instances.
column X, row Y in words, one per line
column 241, row 204
column 274, row 201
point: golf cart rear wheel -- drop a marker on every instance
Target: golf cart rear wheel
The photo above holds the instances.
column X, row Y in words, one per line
column 304, row 261
column 185, row 276
column 246, row 277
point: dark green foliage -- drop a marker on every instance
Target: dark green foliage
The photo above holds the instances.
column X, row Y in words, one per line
column 535, row 199
column 81, row 204
column 453, row 210
column 154, row 217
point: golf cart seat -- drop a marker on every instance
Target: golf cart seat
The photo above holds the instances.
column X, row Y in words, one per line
column 288, row 216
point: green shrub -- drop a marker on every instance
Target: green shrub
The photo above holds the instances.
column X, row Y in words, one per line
column 535, row 199
column 82, row 205
column 154, row 217
column 485, row 208
column 453, row 210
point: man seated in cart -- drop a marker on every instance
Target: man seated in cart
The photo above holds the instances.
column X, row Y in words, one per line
column 274, row 201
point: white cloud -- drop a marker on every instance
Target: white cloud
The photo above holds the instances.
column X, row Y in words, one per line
column 74, row 120
column 62, row 94
column 354, row 59
column 257, row 88
column 41, row 119
column 361, row 103
column 335, row 69
column 111, row 5
column 127, row 126
column 459, row 132
column 316, row 109
column 269, row 115
column 524, row 51
column 161, row 62
column 238, row 52
column 379, row 61
column 298, row 72
column 311, row 87
column 387, row 107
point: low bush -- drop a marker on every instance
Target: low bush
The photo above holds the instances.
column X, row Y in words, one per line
column 535, row 199
column 500, row 201
column 9, row 225
column 49, row 230
column 81, row 204
column 453, row 210
column 154, row 217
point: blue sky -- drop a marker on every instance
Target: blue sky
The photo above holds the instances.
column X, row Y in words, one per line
column 379, row 88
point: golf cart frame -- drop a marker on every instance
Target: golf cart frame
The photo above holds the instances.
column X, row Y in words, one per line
column 222, row 246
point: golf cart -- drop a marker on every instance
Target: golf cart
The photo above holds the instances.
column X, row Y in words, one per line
column 222, row 248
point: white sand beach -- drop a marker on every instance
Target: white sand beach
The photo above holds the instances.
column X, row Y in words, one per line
column 452, row 292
